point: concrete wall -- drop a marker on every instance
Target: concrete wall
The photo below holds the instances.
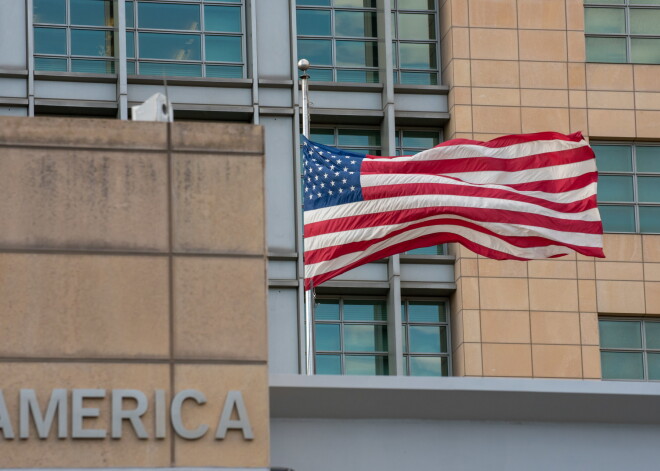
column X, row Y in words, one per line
column 426, row 445
column 132, row 255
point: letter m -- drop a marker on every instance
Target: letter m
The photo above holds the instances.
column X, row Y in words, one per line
column 30, row 406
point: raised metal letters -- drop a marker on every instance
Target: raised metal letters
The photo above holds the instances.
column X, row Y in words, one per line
column 58, row 406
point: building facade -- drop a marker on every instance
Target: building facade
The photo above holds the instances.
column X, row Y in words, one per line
column 359, row 387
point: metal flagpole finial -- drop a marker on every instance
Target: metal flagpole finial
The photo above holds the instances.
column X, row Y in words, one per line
column 303, row 65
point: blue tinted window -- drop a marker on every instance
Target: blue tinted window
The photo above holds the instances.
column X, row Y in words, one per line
column 183, row 47
column 50, row 11
column 50, row 41
column 168, row 16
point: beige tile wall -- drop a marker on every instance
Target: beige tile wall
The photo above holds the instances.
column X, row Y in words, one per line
column 540, row 318
column 107, row 281
column 519, row 66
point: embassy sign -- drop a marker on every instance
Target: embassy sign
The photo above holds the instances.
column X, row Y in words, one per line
column 71, row 407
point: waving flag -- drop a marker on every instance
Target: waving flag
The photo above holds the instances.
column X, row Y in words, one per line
column 517, row 197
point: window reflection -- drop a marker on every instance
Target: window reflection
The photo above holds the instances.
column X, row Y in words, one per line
column 200, row 38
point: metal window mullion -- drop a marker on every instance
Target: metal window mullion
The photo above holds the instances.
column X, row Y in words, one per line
column 333, row 45
column 635, row 192
column 244, row 46
column 202, row 32
column 644, row 352
column 68, row 35
column 342, row 360
column 628, row 38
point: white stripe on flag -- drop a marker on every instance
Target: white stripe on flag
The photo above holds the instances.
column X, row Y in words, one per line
column 385, row 179
column 582, row 239
column 427, row 201
column 475, row 236
column 462, row 151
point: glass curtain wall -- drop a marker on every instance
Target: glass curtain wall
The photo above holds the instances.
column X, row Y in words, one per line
column 415, row 39
column 629, row 187
column 425, row 338
column 203, row 38
column 74, row 36
column 339, row 38
column 630, row 349
column 366, row 141
column 622, row 31
column 350, row 336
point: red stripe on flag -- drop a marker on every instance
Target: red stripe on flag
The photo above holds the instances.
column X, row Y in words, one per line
column 362, row 221
column 557, row 186
column 513, row 139
column 329, row 253
column 476, row 164
column 412, row 189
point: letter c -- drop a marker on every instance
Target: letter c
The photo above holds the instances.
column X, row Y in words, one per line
column 175, row 414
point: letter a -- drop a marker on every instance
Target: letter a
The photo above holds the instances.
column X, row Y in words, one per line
column 234, row 399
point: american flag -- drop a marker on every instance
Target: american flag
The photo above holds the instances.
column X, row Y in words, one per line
column 516, row 197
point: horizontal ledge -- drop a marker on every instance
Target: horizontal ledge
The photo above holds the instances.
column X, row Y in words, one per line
column 177, row 106
column 189, row 81
column 73, row 103
column 6, row 72
column 275, row 111
column 422, row 89
column 462, row 398
column 421, row 118
column 13, row 101
column 76, row 77
column 288, row 256
column 282, row 283
column 427, row 288
column 353, row 287
column 346, row 116
column 428, row 259
column 270, row 83
column 346, row 87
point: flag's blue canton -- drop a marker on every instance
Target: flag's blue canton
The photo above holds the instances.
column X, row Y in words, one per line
column 330, row 176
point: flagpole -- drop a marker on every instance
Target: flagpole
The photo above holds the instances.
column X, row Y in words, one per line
column 303, row 65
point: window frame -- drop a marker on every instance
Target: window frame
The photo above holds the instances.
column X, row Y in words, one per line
column 68, row 26
column 342, row 323
column 635, row 203
column 202, row 33
column 628, row 36
column 396, row 62
column 406, row 354
column 334, row 38
column 644, row 350
column 336, row 128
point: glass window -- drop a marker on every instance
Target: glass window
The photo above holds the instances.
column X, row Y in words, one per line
column 629, row 187
column 630, row 349
column 425, row 338
column 365, row 141
column 74, row 36
column 350, row 336
column 339, row 39
column 50, row 11
column 622, row 31
column 414, row 48
column 195, row 38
